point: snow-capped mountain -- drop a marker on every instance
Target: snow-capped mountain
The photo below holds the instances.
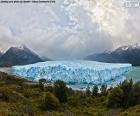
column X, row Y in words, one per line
column 124, row 54
column 19, row 56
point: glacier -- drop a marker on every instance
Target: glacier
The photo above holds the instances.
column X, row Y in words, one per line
column 80, row 72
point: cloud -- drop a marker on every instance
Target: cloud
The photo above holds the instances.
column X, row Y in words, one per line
column 68, row 30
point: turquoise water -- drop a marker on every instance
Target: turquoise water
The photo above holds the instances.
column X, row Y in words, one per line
column 134, row 74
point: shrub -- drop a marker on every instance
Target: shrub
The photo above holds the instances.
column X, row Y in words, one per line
column 50, row 102
column 115, row 97
column 9, row 95
column 103, row 90
column 73, row 100
column 27, row 92
column 49, row 88
column 5, row 93
column 134, row 95
column 88, row 92
column 95, row 90
column 60, row 91
column 125, row 114
column 41, row 85
column 131, row 93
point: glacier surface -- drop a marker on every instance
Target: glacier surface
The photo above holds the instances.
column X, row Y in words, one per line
column 73, row 71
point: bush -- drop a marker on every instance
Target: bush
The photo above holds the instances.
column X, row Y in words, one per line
column 60, row 91
column 5, row 94
column 95, row 90
column 50, row 102
column 125, row 114
column 103, row 90
column 115, row 97
column 49, row 88
column 9, row 95
column 125, row 95
column 27, row 92
column 88, row 92
column 134, row 95
column 41, row 85
column 131, row 95
column 73, row 100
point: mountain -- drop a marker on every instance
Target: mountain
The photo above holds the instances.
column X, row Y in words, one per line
column 124, row 54
column 19, row 56
column 0, row 54
column 44, row 58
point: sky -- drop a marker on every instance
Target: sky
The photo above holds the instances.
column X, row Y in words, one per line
column 69, row 29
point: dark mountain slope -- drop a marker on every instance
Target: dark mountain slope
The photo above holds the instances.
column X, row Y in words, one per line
column 19, row 56
column 0, row 54
column 125, row 54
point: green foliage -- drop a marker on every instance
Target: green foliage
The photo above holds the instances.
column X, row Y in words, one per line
column 50, row 102
column 27, row 92
column 125, row 95
column 115, row 97
column 95, row 90
column 49, row 88
column 9, row 95
column 22, row 97
column 8, row 79
column 41, row 85
column 98, row 114
column 5, row 94
column 60, row 91
column 103, row 90
column 73, row 101
column 134, row 95
column 125, row 114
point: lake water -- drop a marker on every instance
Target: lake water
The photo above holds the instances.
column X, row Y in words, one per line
column 134, row 74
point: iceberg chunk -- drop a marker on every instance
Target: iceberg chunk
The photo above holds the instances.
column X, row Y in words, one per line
column 73, row 71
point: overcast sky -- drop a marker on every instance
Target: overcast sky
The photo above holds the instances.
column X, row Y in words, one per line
column 69, row 29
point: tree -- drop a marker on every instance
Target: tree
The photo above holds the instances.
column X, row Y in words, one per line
column 103, row 90
column 50, row 102
column 88, row 92
column 127, row 87
column 49, row 88
column 134, row 95
column 60, row 91
column 115, row 97
column 41, row 85
column 95, row 90
column 125, row 95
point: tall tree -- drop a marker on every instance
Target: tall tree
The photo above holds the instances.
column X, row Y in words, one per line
column 88, row 92
column 60, row 91
column 103, row 90
column 95, row 90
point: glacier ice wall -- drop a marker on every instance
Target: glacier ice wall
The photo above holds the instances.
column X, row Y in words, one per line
column 73, row 71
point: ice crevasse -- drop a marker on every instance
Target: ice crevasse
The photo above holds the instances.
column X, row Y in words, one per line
column 73, row 71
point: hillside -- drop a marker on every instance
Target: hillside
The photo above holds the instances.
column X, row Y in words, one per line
column 124, row 54
column 22, row 97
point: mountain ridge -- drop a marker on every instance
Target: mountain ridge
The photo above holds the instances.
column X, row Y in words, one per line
column 124, row 54
column 19, row 56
